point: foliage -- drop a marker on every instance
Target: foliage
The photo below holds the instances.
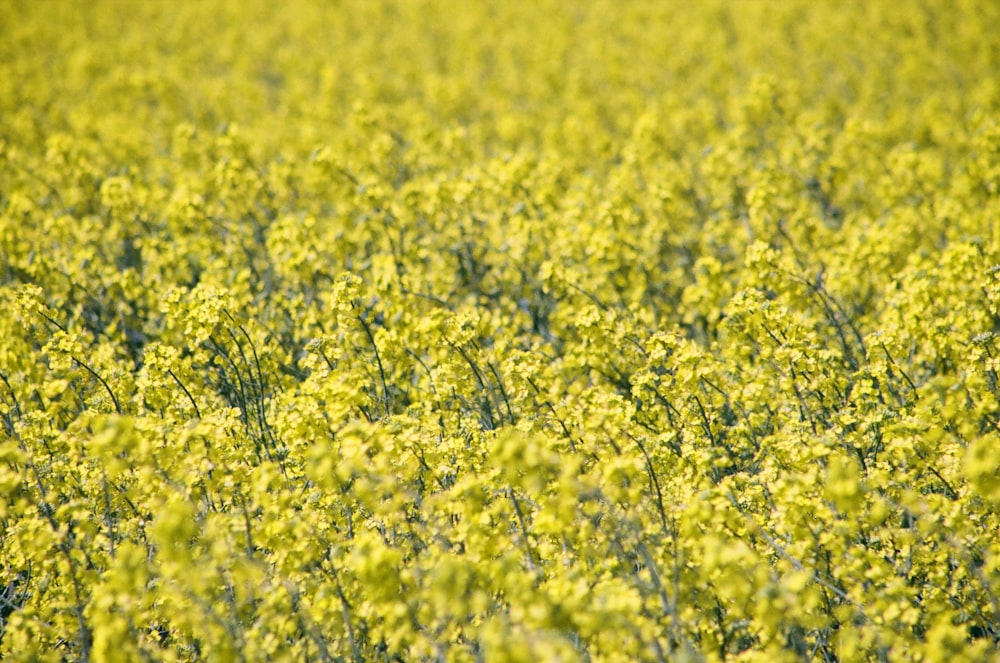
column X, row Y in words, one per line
column 419, row 330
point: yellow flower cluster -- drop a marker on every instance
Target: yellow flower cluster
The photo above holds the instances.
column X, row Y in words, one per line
column 395, row 330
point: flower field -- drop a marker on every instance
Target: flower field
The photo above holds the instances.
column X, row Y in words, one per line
column 413, row 330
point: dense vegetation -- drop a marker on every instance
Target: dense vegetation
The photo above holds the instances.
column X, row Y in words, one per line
column 422, row 330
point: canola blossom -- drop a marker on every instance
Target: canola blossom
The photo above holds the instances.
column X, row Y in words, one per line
column 415, row 330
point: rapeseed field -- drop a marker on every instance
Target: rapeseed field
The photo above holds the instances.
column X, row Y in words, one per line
column 415, row 330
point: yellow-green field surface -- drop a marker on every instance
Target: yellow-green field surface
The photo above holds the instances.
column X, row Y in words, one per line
column 426, row 330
